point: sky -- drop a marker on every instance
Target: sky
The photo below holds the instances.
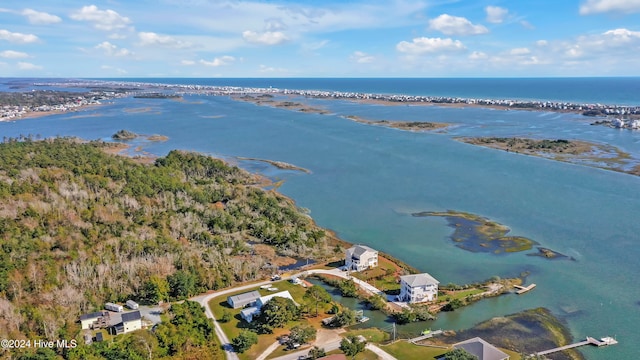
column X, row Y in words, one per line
column 329, row 38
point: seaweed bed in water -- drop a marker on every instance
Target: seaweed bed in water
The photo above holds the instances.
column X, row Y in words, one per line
column 479, row 234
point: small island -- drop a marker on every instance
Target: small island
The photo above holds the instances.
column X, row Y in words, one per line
column 479, row 234
column 278, row 164
column 402, row 125
column 267, row 99
column 124, row 135
column 577, row 152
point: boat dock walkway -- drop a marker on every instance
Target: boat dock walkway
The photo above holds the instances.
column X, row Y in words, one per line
column 425, row 336
column 589, row 341
column 523, row 289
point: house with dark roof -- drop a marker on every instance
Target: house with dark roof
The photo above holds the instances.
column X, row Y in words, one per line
column 360, row 257
column 131, row 321
column 94, row 320
column 418, row 288
column 481, row 349
column 242, row 300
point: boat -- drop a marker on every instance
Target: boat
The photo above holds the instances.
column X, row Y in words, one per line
column 425, row 332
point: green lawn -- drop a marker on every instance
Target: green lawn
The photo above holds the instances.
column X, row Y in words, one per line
column 462, row 294
column 373, row 335
column 365, row 355
column 406, row 350
column 232, row 328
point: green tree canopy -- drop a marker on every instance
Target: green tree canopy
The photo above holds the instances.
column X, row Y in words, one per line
column 459, row 354
column 317, row 295
column 244, row 340
column 276, row 313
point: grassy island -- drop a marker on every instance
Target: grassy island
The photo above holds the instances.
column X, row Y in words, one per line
column 402, row 125
column 278, row 164
column 267, row 100
column 572, row 151
column 479, row 234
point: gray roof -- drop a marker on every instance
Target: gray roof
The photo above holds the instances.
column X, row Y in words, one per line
column 358, row 250
column 481, row 349
column 419, row 280
column 248, row 296
column 94, row 315
column 131, row 316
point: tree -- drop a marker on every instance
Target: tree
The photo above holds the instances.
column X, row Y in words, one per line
column 351, row 345
column 452, row 305
column 459, row 354
column 226, row 316
column 405, row 316
column 302, row 334
column 348, row 288
column 244, row 340
column 377, row 302
column 344, row 318
column 316, row 352
column 317, row 294
column 276, row 313
column 156, row 289
column 182, row 284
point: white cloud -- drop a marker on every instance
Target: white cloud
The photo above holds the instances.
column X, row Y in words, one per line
column 111, row 68
column 17, row 37
column 28, row 66
column 113, row 50
column 10, row 54
column 270, row 69
column 542, row 43
column 527, row 25
column 455, row 25
column 264, row 38
column 520, row 51
column 478, row 55
column 313, row 46
column 622, row 41
column 605, row 6
column 361, row 57
column 425, row 45
column 496, row 14
column 40, row 18
column 151, row 38
column 107, row 20
column 187, row 62
column 219, row 61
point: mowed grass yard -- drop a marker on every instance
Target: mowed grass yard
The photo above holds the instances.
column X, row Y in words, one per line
column 383, row 277
column 402, row 349
column 232, row 328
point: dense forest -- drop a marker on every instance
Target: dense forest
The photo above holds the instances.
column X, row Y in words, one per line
column 79, row 227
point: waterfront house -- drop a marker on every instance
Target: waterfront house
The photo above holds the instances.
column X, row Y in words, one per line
column 481, row 349
column 418, row 288
column 131, row 321
column 360, row 257
column 242, row 300
column 248, row 313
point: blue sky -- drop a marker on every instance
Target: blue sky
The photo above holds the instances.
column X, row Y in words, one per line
column 394, row 38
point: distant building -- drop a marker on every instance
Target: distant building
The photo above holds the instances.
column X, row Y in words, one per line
column 242, row 300
column 418, row 288
column 481, row 349
column 94, row 320
column 249, row 313
column 360, row 257
column 131, row 321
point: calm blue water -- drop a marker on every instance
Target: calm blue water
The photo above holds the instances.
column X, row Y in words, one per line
column 366, row 181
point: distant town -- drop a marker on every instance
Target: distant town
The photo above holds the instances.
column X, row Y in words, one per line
column 625, row 116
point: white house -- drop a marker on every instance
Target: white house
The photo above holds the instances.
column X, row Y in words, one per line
column 418, row 288
column 481, row 349
column 244, row 299
column 131, row 321
column 248, row 313
column 88, row 321
column 360, row 257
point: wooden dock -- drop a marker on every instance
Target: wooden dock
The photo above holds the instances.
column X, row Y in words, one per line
column 523, row 289
column 589, row 341
column 425, row 336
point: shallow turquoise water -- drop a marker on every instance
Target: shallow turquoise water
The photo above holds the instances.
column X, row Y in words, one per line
column 366, row 181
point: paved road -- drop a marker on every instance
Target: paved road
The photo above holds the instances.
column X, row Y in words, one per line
column 226, row 344
column 330, row 346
